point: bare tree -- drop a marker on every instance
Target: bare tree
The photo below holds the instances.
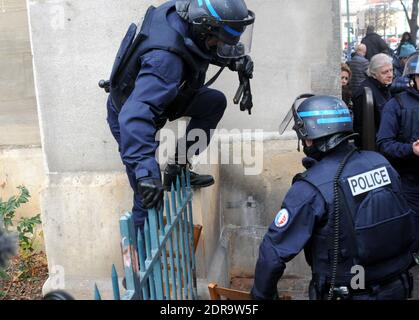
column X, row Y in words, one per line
column 413, row 19
column 381, row 16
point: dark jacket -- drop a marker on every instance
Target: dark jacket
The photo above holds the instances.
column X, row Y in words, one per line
column 399, row 128
column 347, row 96
column 381, row 94
column 302, row 223
column 157, row 86
column 397, row 67
column 359, row 66
column 375, row 44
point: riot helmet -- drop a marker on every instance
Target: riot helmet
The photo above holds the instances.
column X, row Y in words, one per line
column 324, row 119
column 229, row 22
column 412, row 66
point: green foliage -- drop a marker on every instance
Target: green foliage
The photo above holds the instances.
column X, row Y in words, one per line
column 8, row 208
column 26, row 231
column 4, row 276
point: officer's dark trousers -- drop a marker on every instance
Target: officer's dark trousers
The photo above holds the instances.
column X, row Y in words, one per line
column 410, row 185
column 206, row 110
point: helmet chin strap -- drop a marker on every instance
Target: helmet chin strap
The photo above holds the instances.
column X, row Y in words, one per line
column 322, row 146
column 313, row 152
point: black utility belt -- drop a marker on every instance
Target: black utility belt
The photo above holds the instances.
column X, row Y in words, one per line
column 347, row 291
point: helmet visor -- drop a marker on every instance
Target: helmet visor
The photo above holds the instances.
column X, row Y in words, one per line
column 235, row 36
column 236, row 47
column 412, row 66
column 286, row 122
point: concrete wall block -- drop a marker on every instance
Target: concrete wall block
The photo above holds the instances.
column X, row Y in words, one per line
column 280, row 163
column 206, row 211
column 77, row 53
column 19, row 113
column 246, row 222
column 18, row 116
column 243, row 252
column 80, row 214
column 14, row 37
column 22, row 166
column 16, row 134
column 16, row 78
column 289, row 38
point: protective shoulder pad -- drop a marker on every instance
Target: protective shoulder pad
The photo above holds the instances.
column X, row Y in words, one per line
column 299, row 177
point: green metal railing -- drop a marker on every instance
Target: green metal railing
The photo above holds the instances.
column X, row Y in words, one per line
column 159, row 263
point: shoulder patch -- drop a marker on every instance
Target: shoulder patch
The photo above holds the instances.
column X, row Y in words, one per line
column 282, row 218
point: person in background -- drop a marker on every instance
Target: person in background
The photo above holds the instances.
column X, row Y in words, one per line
column 345, row 78
column 400, row 82
column 379, row 80
column 398, row 136
column 406, row 50
column 375, row 44
column 406, row 38
column 359, row 67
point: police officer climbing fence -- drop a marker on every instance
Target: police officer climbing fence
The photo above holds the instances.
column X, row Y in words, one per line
column 159, row 75
column 352, row 216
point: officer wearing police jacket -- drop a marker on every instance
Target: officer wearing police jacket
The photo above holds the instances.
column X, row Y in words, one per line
column 346, row 210
column 159, row 75
column 398, row 136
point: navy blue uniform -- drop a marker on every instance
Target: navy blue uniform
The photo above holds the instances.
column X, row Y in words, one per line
column 370, row 202
column 158, row 86
column 399, row 129
column 281, row 244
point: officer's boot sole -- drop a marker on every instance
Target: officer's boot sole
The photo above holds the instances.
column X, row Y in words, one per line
column 202, row 185
column 167, row 188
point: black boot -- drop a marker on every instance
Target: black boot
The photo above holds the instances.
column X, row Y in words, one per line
column 197, row 180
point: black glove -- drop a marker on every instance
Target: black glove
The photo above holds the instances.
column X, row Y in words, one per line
column 248, row 67
column 151, row 191
column 243, row 65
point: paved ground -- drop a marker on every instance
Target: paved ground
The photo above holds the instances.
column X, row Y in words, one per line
column 298, row 288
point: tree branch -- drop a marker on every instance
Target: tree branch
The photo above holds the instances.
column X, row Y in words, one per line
column 405, row 10
column 414, row 10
